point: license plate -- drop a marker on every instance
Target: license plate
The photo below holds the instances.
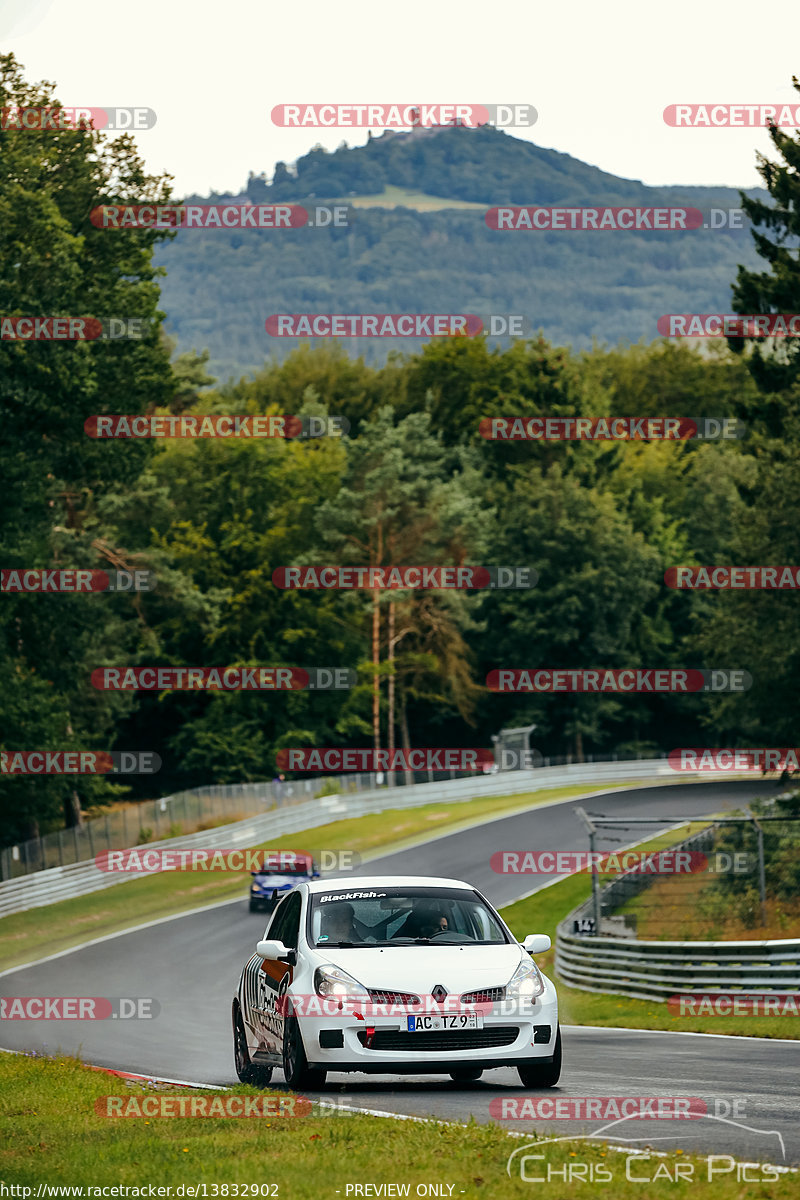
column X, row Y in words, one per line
column 430, row 1023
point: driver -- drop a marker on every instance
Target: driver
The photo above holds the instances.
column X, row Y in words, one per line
column 436, row 924
column 425, row 920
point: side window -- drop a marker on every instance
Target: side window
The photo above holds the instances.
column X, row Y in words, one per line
column 290, row 924
column 278, row 926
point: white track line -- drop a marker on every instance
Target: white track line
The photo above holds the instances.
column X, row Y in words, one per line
column 739, row 1037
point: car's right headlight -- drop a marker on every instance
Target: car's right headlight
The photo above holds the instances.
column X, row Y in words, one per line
column 526, row 983
column 333, row 981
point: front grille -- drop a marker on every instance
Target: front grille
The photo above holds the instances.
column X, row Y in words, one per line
column 382, row 997
column 484, row 996
column 442, row 1041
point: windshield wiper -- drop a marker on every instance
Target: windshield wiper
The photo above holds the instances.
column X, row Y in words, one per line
column 339, row 945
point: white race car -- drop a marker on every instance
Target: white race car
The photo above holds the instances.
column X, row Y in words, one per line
column 392, row 974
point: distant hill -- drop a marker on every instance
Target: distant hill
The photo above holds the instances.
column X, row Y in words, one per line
column 416, row 244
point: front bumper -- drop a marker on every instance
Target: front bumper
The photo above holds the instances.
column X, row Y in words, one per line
column 383, row 1045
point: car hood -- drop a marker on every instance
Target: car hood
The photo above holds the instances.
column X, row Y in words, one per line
column 275, row 881
column 420, row 968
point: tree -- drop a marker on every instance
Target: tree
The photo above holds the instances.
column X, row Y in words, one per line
column 401, row 502
column 54, row 262
column 776, row 290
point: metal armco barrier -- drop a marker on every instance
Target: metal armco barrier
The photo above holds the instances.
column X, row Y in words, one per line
column 78, row 879
column 625, row 966
column 658, row 970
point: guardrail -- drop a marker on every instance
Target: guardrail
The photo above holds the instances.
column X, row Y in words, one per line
column 79, row 879
column 648, row 970
column 201, row 808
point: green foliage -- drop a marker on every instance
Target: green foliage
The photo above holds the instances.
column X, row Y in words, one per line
column 54, row 262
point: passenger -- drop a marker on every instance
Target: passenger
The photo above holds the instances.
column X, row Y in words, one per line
column 338, row 924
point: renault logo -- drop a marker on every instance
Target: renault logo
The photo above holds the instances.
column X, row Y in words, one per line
column 439, row 993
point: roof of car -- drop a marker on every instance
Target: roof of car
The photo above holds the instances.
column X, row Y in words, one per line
column 362, row 883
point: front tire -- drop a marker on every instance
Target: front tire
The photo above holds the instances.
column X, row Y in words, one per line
column 247, row 1071
column 296, row 1071
column 543, row 1075
column 466, row 1074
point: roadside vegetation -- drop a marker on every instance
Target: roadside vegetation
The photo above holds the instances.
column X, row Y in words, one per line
column 50, row 1133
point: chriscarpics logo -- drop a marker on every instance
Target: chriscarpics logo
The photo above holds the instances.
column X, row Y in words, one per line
column 663, row 1121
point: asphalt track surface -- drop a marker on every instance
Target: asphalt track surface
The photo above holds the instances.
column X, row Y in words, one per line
column 191, row 965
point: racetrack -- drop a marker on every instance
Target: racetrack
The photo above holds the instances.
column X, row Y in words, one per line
column 191, row 965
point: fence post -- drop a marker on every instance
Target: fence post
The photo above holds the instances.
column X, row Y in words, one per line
column 591, row 829
column 762, row 878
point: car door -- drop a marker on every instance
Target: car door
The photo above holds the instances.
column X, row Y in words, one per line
column 275, row 977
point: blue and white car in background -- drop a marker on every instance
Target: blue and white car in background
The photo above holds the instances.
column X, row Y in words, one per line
column 393, row 974
column 281, row 875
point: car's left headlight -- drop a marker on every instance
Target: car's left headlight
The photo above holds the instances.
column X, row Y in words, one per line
column 526, row 983
column 333, row 981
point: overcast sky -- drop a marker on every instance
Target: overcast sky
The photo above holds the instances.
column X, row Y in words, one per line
column 600, row 75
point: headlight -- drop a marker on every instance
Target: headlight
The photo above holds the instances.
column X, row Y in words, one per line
column 333, row 981
column 254, row 887
column 526, row 983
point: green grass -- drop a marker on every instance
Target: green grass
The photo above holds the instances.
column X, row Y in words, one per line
column 542, row 912
column 54, row 927
column 52, row 1134
column 397, row 197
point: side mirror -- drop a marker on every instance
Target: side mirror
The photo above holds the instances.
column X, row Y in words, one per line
column 273, row 951
column 536, row 943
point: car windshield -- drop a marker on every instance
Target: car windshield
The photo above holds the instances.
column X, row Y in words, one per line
column 402, row 916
